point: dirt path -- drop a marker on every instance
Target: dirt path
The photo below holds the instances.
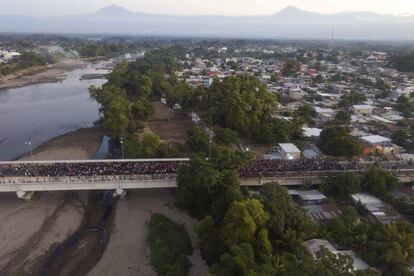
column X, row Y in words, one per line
column 128, row 252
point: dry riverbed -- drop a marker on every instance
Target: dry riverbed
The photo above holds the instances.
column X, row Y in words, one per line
column 30, row 230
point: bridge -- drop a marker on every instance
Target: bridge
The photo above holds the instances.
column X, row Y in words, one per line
column 25, row 177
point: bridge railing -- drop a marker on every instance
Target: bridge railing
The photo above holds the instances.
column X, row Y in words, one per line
column 172, row 177
column 86, row 179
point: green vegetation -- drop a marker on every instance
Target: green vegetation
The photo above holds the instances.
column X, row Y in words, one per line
column 353, row 98
column 170, row 245
column 336, row 141
column 375, row 181
column 126, row 100
column 26, row 60
column 390, row 247
column 405, row 106
column 342, row 185
column 305, row 113
column 342, row 118
column 241, row 234
column 404, row 61
column 104, row 49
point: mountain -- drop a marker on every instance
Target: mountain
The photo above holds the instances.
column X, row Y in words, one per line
column 290, row 23
column 113, row 10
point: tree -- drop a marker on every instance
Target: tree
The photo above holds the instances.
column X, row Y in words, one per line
column 225, row 136
column 142, row 109
column 337, row 142
column 342, row 185
column 198, row 140
column 379, row 182
column 226, row 191
column 116, row 118
column 342, row 118
column 332, row 264
column 241, row 222
column 290, row 67
column 208, row 235
column 240, row 103
column 399, row 137
column 353, row 98
column 195, row 182
column 405, row 106
column 305, row 113
column 240, row 261
column 288, row 223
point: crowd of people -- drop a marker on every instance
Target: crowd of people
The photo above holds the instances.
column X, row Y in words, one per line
column 90, row 169
column 268, row 168
column 253, row 169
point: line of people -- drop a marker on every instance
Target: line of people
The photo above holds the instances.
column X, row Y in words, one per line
column 254, row 169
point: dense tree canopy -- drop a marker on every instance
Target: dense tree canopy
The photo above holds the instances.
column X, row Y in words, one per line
column 336, row 141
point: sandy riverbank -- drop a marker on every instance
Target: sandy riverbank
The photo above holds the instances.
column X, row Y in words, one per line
column 128, row 252
column 78, row 145
column 29, row 230
column 39, row 74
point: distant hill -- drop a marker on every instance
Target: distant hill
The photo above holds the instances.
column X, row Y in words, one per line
column 291, row 23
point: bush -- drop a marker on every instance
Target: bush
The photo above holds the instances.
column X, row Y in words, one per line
column 169, row 246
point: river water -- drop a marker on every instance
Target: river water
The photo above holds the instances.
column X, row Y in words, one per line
column 38, row 113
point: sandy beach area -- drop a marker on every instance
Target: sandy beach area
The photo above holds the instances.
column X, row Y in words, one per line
column 78, row 145
column 39, row 74
column 128, row 252
column 29, row 230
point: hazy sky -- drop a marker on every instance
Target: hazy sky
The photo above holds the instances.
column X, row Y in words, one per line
column 225, row 7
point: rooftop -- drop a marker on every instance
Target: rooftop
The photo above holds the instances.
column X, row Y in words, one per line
column 288, row 147
column 375, row 139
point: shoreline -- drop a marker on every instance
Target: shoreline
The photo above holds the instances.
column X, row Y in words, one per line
column 82, row 144
column 41, row 74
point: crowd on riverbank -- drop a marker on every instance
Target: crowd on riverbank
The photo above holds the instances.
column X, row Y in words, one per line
column 253, row 169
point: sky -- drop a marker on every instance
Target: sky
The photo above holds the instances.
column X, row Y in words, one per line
column 196, row 7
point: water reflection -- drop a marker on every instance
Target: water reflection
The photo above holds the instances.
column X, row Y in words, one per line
column 44, row 111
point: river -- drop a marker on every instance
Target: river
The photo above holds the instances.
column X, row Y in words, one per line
column 38, row 113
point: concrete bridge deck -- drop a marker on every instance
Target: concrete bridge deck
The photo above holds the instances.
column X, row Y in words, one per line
column 23, row 184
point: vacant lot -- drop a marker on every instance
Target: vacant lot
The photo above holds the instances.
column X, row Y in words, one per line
column 169, row 125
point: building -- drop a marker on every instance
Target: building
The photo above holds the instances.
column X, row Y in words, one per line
column 379, row 144
column 296, row 94
column 325, row 114
column 315, row 245
column 379, row 211
column 310, row 197
column 311, row 132
column 363, row 109
column 289, row 151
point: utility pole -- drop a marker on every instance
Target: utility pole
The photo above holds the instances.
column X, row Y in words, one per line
column 29, row 143
column 121, row 140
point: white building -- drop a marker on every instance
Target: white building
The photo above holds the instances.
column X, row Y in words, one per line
column 363, row 109
column 289, row 151
column 296, row 94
